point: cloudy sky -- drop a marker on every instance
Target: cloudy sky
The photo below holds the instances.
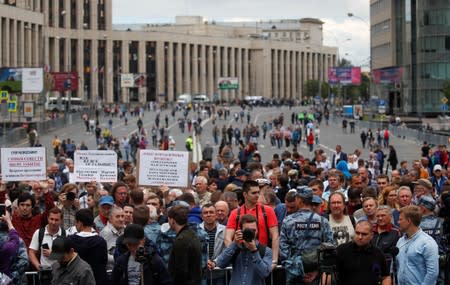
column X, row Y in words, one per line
column 351, row 35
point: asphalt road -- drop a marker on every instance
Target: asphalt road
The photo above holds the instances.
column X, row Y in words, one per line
column 330, row 135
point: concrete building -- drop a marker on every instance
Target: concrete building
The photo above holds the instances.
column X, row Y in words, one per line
column 271, row 58
column 412, row 36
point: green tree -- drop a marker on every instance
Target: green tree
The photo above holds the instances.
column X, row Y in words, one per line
column 311, row 88
column 446, row 89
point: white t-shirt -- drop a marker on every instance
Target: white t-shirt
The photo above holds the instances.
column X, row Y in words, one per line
column 343, row 231
column 48, row 239
column 134, row 271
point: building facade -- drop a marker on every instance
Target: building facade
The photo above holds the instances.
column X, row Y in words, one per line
column 414, row 36
column 186, row 57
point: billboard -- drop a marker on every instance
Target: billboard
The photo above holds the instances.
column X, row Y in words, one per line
column 131, row 80
column 32, row 80
column 63, row 81
column 228, row 83
column 11, row 79
column 387, row 75
column 344, row 75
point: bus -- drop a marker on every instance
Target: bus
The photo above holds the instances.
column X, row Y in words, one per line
column 58, row 104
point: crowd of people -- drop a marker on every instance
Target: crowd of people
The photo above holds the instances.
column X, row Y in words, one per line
column 371, row 225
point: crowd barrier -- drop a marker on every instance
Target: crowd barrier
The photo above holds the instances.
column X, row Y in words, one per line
column 33, row 276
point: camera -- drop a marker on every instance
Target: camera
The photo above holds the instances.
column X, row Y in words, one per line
column 141, row 255
column 327, row 257
column 70, row 196
column 248, row 235
column 45, row 275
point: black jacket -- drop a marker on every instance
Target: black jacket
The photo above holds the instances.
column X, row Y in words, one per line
column 160, row 277
column 93, row 250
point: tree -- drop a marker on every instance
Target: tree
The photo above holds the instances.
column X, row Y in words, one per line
column 446, row 89
column 311, row 88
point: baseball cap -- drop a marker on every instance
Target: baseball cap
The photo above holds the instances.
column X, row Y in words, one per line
column 428, row 202
column 60, row 246
column 437, row 167
column 424, row 182
column 305, row 192
column 316, row 200
column 133, row 234
column 241, row 172
column 106, row 200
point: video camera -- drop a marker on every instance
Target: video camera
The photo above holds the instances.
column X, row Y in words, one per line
column 327, row 257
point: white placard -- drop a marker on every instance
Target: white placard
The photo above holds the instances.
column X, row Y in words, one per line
column 32, row 80
column 24, row 164
column 158, row 167
column 126, row 80
column 95, row 165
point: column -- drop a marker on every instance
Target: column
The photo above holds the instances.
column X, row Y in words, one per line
column 218, row 72
column 232, row 72
column 3, row 42
column 94, row 14
column 299, row 75
column 316, row 65
column 211, row 82
column 141, row 69
column 267, row 81
column 179, row 67
column 55, row 13
column 225, row 70
column 67, row 16
column 203, row 88
column 239, row 73
column 170, row 74
column 79, row 15
column 288, row 93
column 194, row 64
column 294, row 75
column 80, row 68
column 55, row 55
column 282, row 75
column 94, row 71
column 13, row 51
column 159, row 68
column 21, row 44
column 125, row 60
column 108, row 14
column 187, row 69
column 108, row 72
column 35, row 40
column 45, row 11
column 305, row 68
column 276, row 74
column 310, row 70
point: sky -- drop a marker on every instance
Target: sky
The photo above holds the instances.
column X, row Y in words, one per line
column 350, row 34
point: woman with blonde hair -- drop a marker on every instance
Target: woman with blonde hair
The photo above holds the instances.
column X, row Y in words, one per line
column 389, row 197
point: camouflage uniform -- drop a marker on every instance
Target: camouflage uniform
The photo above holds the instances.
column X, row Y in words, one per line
column 19, row 263
column 166, row 238
column 295, row 239
column 432, row 225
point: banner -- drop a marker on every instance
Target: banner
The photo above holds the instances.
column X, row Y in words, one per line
column 95, row 165
column 228, row 83
column 131, row 80
column 63, row 81
column 387, row 75
column 157, row 167
column 32, row 80
column 344, row 75
column 11, row 79
column 24, row 164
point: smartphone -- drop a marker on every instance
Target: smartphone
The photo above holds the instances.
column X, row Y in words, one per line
column 45, row 246
column 2, row 209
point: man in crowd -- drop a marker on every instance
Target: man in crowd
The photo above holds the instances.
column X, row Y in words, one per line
column 250, row 259
column 222, row 212
column 185, row 257
column 265, row 215
column 89, row 245
column 104, row 206
column 404, row 197
column 41, row 243
column 139, row 264
column 201, row 187
column 112, row 231
column 341, row 225
column 359, row 262
column 418, row 257
column 216, row 234
column 334, row 185
column 70, row 268
column 301, row 234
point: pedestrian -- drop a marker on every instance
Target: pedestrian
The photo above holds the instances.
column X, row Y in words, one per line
column 317, row 134
column 310, row 141
column 392, row 159
column 185, row 257
column 70, row 268
column 32, row 136
column 344, row 126
column 418, row 257
column 363, row 137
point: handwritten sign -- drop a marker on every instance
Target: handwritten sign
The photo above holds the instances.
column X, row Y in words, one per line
column 157, row 168
column 23, row 164
column 95, row 165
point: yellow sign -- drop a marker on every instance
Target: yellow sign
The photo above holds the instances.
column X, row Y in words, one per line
column 4, row 95
column 12, row 105
column 444, row 100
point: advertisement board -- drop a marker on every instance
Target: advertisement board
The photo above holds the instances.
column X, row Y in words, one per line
column 344, row 75
column 228, row 83
column 11, row 79
column 63, row 81
column 131, row 80
column 387, row 75
column 32, row 80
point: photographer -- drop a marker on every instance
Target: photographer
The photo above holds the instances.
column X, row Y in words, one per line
column 251, row 261
column 9, row 247
column 140, row 264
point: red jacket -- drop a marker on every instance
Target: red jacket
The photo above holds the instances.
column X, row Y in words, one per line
column 27, row 226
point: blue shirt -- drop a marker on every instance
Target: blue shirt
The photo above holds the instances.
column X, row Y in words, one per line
column 417, row 260
column 249, row 268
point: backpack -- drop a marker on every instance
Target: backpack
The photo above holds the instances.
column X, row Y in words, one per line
column 42, row 233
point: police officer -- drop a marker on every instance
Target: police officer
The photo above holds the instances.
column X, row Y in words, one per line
column 301, row 234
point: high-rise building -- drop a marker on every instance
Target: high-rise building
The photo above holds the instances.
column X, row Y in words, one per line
column 269, row 58
column 410, row 41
